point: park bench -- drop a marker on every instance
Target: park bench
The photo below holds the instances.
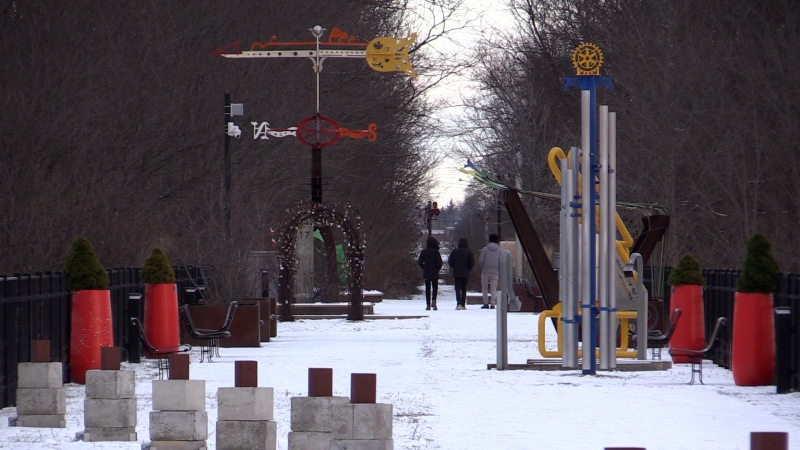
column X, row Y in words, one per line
column 209, row 338
column 657, row 340
column 160, row 354
column 696, row 356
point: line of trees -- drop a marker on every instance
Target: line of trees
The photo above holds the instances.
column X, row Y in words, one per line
column 111, row 127
column 707, row 117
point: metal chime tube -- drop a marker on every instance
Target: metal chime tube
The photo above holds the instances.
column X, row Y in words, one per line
column 603, row 276
column 611, row 230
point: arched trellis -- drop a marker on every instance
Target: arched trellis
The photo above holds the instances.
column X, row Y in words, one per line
column 320, row 215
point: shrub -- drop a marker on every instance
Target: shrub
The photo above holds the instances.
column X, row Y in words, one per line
column 688, row 272
column 760, row 269
column 157, row 269
column 82, row 268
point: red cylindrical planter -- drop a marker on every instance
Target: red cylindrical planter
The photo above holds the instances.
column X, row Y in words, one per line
column 691, row 330
column 753, row 348
column 92, row 329
column 161, row 323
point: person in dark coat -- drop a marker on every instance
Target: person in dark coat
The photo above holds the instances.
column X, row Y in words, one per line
column 462, row 262
column 431, row 262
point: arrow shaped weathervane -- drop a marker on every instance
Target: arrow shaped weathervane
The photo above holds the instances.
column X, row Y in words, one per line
column 383, row 54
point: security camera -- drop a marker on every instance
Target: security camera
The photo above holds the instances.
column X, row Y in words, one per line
column 234, row 130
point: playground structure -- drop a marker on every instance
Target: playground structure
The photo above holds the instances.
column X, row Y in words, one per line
column 604, row 273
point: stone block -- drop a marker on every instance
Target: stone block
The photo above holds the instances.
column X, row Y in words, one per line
column 109, row 413
column 247, row 434
column 362, row 444
column 110, row 383
column 309, row 440
column 109, row 434
column 43, row 421
column 372, row 421
column 41, row 375
column 178, row 425
column 178, row 445
column 31, row 402
column 179, row 395
column 245, row 403
column 314, row 413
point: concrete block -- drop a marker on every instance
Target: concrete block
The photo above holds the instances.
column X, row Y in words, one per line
column 179, row 395
column 247, row 434
column 47, row 375
column 109, row 413
column 362, row 444
column 31, row 402
column 362, row 421
column 309, row 440
column 126, row 434
column 245, row 403
column 178, row 425
column 110, row 383
column 43, row 421
column 177, row 445
column 314, row 413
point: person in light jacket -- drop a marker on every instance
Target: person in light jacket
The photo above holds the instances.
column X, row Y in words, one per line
column 431, row 262
column 489, row 262
column 462, row 262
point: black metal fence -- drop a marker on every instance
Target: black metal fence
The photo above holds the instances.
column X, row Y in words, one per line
column 718, row 300
column 37, row 306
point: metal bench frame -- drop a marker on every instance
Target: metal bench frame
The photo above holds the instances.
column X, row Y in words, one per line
column 696, row 356
column 161, row 354
column 209, row 339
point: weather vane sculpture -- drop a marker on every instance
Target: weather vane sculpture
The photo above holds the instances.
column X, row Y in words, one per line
column 383, row 54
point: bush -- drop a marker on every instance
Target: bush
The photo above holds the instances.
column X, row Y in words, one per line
column 83, row 270
column 760, row 269
column 688, row 272
column 157, row 269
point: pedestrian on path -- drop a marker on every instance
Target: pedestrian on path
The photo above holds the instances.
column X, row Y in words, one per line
column 489, row 262
column 462, row 262
column 431, row 262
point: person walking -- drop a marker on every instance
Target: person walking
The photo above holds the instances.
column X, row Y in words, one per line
column 431, row 262
column 489, row 262
column 462, row 262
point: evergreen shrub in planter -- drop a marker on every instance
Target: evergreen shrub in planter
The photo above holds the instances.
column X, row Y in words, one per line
column 687, row 283
column 161, row 321
column 91, row 323
column 753, row 347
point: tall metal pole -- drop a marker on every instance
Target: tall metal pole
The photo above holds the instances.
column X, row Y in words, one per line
column 604, row 270
column 587, row 217
column 226, row 172
column 612, row 234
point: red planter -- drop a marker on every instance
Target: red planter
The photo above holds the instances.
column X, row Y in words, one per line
column 92, row 330
column 161, row 321
column 753, row 347
column 691, row 331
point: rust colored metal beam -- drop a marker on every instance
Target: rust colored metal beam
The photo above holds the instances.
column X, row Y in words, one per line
column 542, row 269
column 655, row 227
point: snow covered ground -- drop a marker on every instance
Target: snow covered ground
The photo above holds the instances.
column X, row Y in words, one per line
column 433, row 370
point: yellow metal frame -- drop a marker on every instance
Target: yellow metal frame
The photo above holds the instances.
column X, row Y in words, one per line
column 622, row 351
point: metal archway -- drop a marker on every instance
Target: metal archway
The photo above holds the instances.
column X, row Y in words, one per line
column 344, row 217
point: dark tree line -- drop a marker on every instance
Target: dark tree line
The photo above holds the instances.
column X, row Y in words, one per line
column 111, row 127
column 707, row 119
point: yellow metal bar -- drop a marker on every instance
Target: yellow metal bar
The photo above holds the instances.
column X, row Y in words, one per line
column 621, row 352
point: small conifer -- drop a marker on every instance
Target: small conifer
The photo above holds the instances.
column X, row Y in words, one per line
column 688, row 272
column 760, row 269
column 157, row 269
column 82, row 268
